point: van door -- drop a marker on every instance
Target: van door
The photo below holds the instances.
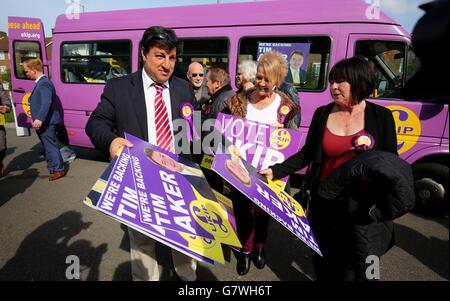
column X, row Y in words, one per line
column 26, row 41
column 395, row 63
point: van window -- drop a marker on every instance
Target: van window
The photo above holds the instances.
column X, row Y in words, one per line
column 24, row 51
column 209, row 52
column 308, row 57
column 94, row 62
column 392, row 69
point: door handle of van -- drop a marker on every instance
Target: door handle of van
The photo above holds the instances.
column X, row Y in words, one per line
column 19, row 90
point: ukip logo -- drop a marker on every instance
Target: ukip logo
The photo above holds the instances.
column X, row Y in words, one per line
column 210, row 216
column 280, row 139
column 407, row 126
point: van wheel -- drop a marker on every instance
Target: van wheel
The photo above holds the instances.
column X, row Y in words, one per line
column 431, row 187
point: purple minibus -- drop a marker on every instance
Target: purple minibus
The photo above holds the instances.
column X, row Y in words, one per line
column 90, row 48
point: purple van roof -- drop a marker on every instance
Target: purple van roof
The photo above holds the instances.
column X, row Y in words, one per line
column 247, row 13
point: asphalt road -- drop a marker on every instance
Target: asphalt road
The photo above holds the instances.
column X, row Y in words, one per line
column 42, row 223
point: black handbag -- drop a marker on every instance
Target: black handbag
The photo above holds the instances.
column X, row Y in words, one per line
column 303, row 196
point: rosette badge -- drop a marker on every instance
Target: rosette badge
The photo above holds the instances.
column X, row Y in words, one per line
column 187, row 112
column 363, row 142
column 283, row 112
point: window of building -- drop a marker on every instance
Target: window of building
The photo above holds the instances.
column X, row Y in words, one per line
column 24, row 51
column 307, row 57
column 2, row 55
column 95, row 62
column 2, row 69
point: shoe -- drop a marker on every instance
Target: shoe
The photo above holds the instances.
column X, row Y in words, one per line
column 56, row 175
column 259, row 259
column 243, row 263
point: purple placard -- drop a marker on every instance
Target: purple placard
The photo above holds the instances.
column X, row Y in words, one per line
column 296, row 54
column 260, row 144
column 178, row 196
column 276, row 202
column 173, row 239
column 286, row 49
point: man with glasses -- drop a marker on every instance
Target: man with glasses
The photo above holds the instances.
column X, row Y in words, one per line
column 195, row 76
column 145, row 104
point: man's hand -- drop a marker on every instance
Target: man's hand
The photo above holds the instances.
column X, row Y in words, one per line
column 37, row 124
column 268, row 173
column 116, row 144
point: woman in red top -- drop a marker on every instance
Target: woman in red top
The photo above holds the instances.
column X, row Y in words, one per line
column 329, row 144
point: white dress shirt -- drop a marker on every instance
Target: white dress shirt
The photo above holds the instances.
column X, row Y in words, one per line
column 37, row 79
column 150, row 93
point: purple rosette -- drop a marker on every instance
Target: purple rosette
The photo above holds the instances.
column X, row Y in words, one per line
column 283, row 111
column 363, row 142
column 187, row 113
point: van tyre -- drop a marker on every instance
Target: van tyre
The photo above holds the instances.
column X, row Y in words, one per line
column 431, row 187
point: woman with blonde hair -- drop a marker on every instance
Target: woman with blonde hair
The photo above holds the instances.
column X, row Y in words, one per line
column 263, row 104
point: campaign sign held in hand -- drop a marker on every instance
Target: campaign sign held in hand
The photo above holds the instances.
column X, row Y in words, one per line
column 266, row 194
column 161, row 194
column 260, row 144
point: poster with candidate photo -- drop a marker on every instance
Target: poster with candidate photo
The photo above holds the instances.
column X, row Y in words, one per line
column 165, row 196
column 266, row 194
column 296, row 54
column 260, row 144
column 190, row 245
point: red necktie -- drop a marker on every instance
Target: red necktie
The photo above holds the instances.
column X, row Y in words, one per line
column 164, row 137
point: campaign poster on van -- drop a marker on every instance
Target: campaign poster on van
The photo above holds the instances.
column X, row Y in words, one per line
column 285, row 48
column 199, row 248
column 296, row 54
column 266, row 194
column 260, row 144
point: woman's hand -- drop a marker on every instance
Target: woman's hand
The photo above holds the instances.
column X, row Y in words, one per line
column 268, row 173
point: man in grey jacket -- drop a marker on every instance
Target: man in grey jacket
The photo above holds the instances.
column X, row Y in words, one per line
column 5, row 107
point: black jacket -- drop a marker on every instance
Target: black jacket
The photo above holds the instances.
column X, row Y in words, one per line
column 368, row 191
column 376, row 185
column 378, row 121
column 122, row 109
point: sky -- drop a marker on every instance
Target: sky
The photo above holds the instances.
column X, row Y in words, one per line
column 405, row 12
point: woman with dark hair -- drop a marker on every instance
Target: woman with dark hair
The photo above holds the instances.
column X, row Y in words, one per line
column 263, row 103
column 334, row 130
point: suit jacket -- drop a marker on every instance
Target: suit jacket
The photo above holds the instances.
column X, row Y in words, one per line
column 290, row 79
column 378, row 121
column 122, row 109
column 44, row 103
column 4, row 99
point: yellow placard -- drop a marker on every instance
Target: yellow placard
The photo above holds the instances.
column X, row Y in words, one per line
column 205, row 247
column 213, row 218
column 2, row 119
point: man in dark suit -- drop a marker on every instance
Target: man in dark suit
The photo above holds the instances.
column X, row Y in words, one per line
column 5, row 107
column 145, row 104
column 46, row 116
column 296, row 74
